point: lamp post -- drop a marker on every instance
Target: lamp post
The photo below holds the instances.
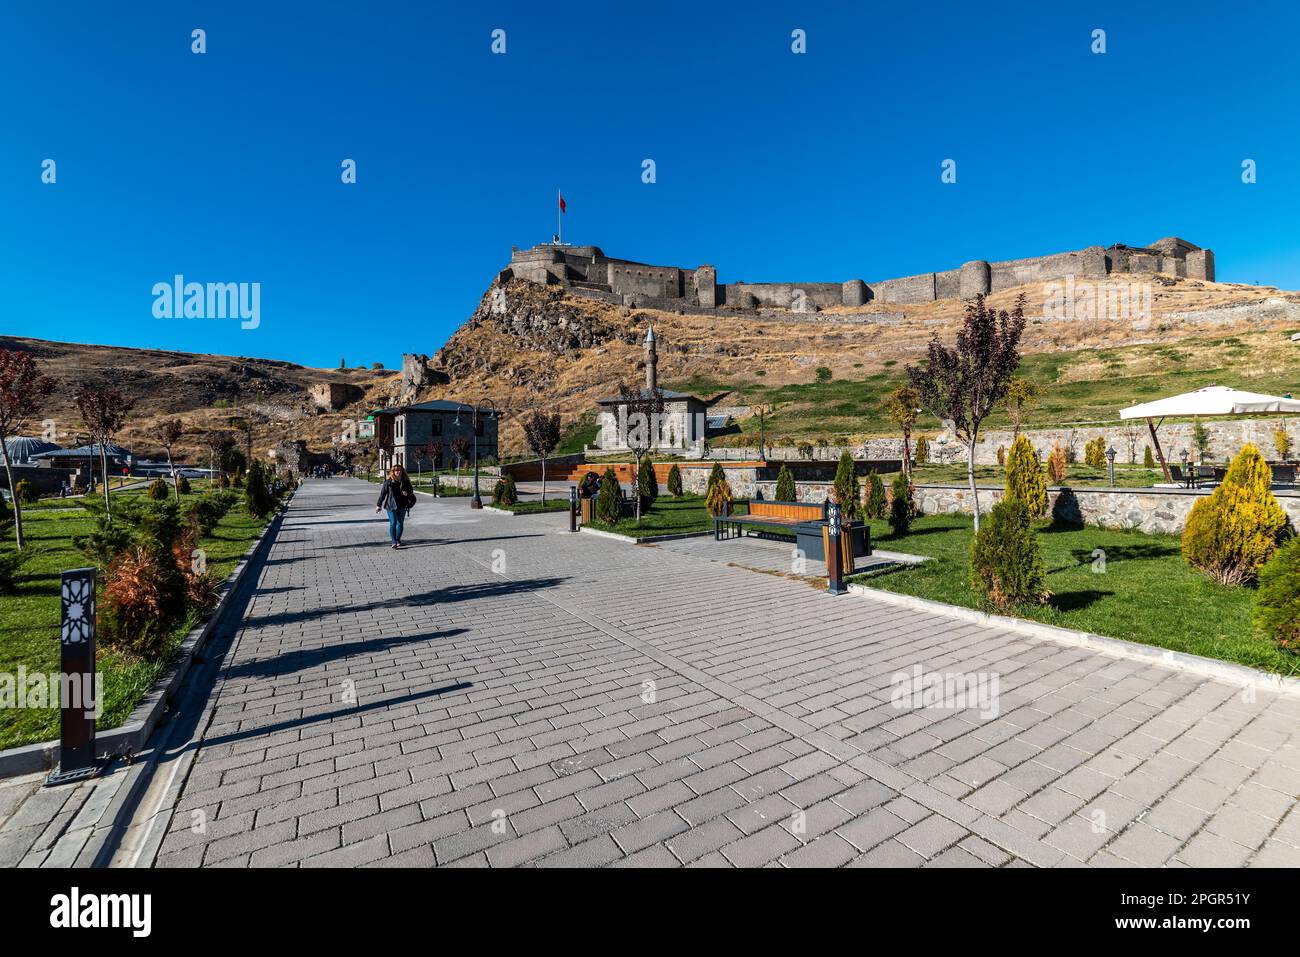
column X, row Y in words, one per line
column 1110, row 462
column 476, row 501
column 834, row 560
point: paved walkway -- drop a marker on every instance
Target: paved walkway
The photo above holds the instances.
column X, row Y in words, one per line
column 503, row 693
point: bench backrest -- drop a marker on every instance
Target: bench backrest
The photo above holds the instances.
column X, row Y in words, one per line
column 800, row 511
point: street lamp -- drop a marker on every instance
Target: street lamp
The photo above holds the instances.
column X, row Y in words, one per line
column 1110, row 462
column 476, row 501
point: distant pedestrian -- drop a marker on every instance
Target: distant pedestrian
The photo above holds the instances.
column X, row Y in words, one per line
column 396, row 497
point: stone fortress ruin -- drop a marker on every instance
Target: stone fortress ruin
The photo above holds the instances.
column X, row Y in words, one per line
column 587, row 271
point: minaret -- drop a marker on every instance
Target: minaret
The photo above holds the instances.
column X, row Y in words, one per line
column 651, row 360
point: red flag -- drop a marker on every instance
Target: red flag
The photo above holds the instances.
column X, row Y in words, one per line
column 561, row 195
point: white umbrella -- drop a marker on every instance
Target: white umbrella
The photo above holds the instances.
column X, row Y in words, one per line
column 1212, row 400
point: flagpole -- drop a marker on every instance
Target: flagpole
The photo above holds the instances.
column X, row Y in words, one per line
column 559, row 216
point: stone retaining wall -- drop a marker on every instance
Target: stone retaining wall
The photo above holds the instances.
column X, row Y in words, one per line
column 1148, row 510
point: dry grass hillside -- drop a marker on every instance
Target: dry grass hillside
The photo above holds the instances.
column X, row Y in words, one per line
column 204, row 391
column 543, row 348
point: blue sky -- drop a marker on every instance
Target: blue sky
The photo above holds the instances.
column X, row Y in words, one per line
column 225, row 167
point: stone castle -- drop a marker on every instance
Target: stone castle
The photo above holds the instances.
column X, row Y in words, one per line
column 587, row 271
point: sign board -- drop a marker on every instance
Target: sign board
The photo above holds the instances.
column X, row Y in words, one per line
column 366, row 429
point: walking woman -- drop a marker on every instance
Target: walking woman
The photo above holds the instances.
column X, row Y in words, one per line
column 396, row 498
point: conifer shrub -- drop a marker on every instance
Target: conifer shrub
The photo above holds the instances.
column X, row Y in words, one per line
column 718, row 501
column 257, row 498
column 1148, row 460
column 1006, row 562
column 1234, row 530
column 675, row 482
column 1002, row 456
column 157, row 490
column 505, row 492
column 1277, row 605
column 1057, row 464
column 1025, row 479
column 846, row 488
column 647, row 483
column 876, row 503
column 608, row 500
column 716, row 474
column 901, row 506
column 1094, row 453
column 922, row 450
column 785, row 490
column 26, row 492
column 182, row 485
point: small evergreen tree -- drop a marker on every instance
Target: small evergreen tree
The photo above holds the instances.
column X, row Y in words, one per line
column 785, row 490
column 718, row 501
column 157, row 490
column 182, row 485
column 1094, row 453
column 922, row 450
column 901, row 506
column 1025, row 479
column 1002, row 456
column 1057, row 466
column 876, row 498
column 716, row 474
column 1282, row 441
column 257, row 497
column 647, row 484
column 1277, row 606
column 1006, row 562
column 609, row 500
column 846, row 487
column 26, row 492
column 505, row 492
column 675, row 482
column 1234, row 530
column 1148, row 460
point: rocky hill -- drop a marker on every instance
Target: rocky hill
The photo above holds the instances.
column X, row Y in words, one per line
column 535, row 346
column 204, row 391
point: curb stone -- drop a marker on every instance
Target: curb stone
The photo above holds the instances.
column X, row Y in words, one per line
column 1116, row 647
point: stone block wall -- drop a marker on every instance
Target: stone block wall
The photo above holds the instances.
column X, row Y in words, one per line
column 1157, row 511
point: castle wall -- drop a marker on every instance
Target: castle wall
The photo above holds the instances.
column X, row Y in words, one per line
column 627, row 280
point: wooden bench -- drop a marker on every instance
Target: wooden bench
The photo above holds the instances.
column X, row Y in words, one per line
column 782, row 515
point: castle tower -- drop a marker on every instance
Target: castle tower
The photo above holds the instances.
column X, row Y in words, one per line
column 651, row 360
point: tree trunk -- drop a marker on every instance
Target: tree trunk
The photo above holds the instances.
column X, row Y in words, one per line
column 176, row 485
column 970, row 475
column 13, row 494
column 103, row 474
column 543, row 481
column 636, row 489
column 907, row 454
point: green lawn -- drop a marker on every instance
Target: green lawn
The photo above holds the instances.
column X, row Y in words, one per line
column 1146, row 593
column 668, row 516
column 531, row 508
column 29, row 619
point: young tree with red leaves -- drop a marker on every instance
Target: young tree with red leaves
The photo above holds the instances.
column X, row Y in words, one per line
column 542, row 433
column 963, row 385
column 168, row 434
column 22, row 387
column 104, row 411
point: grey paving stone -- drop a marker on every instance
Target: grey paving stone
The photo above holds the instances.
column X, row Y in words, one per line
column 752, row 717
